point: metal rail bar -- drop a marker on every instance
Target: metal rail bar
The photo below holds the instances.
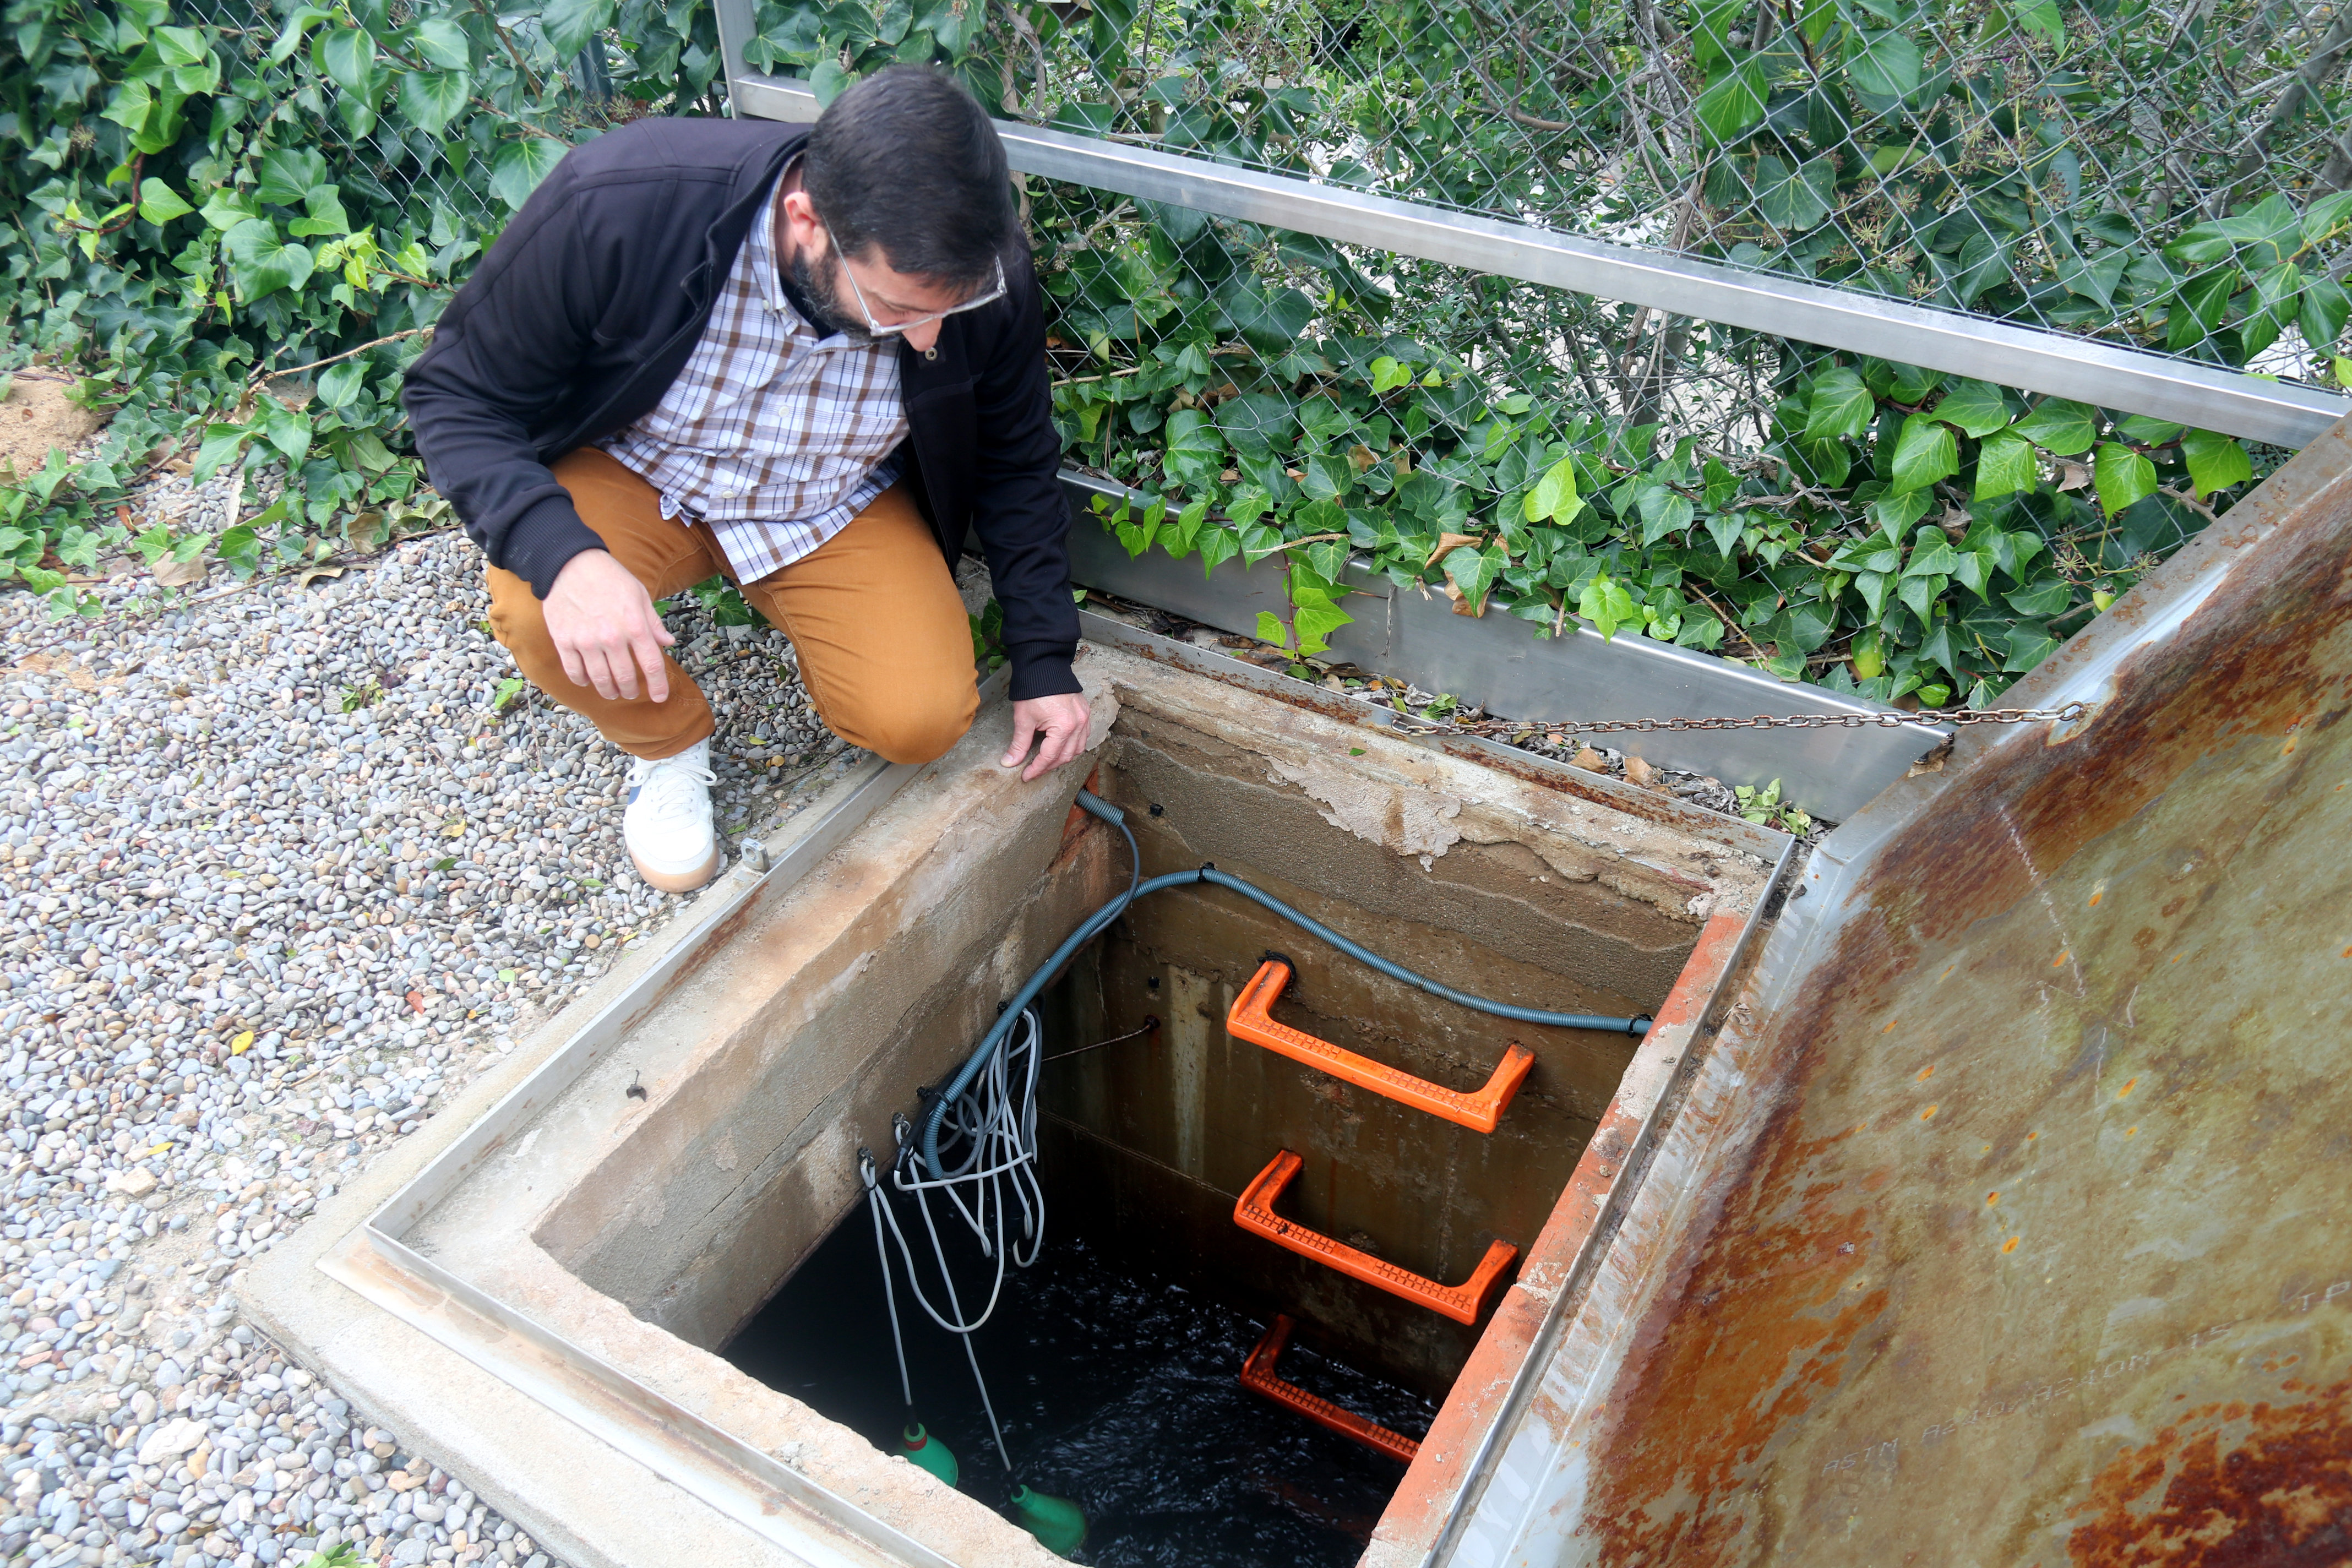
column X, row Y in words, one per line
column 1498, row 660
column 2059, row 364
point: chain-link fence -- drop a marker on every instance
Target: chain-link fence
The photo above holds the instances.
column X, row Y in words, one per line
column 2161, row 178
column 2033, row 161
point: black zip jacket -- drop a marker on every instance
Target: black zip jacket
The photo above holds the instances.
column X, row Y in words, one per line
column 588, row 305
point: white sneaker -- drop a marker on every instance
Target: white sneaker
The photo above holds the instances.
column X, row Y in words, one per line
column 668, row 825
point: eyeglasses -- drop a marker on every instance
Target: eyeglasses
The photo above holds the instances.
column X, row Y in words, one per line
column 876, row 328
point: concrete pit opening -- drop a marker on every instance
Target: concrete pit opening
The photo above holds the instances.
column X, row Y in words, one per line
column 686, row 1212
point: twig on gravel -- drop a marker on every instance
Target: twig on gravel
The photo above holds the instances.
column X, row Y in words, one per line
column 254, row 383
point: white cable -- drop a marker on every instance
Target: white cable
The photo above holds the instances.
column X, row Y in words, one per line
column 996, row 1119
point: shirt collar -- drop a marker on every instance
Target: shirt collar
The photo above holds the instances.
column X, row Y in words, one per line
column 776, row 288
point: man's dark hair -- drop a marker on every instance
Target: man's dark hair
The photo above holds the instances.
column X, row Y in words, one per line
column 906, row 160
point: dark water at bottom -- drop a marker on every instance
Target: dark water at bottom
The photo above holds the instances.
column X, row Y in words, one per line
column 1117, row 1391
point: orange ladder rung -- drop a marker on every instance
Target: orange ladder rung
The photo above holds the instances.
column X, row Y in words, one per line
column 1463, row 1303
column 1257, row 1375
column 1250, row 1020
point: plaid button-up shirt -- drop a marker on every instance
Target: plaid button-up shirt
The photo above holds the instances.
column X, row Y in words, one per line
column 773, row 435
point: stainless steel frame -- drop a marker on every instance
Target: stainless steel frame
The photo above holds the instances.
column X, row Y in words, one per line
column 2026, row 357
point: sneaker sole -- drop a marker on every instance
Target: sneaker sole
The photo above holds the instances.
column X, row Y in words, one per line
column 677, row 881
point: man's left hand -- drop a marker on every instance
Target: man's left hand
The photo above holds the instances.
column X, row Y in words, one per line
column 1058, row 726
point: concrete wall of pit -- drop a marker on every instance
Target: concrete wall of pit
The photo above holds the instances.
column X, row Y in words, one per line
column 1149, row 1143
column 1520, row 890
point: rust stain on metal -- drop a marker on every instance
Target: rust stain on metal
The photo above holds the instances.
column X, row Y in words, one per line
column 2267, row 1484
column 2039, row 1180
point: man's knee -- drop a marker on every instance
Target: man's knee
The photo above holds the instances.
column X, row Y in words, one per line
column 912, row 726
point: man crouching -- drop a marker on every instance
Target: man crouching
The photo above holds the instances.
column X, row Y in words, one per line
column 809, row 359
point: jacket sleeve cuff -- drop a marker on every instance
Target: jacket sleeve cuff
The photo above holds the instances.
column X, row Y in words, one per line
column 540, row 542
column 1040, row 670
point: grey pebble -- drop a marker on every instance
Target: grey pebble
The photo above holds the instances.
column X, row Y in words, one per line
column 275, row 881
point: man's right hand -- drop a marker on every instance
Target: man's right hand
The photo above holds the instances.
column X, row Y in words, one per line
column 602, row 623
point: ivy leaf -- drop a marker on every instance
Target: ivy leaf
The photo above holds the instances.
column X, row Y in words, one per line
column 289, row 38
column 1722, row 486
column 569, row 25
column 1607, row 604
column 1195, row 453
column 1840, row 405
column 829, row 80
column 1932, row 555
column 1884, row 65
column 1474, row 572
column 2122, row 477
column 159, row 203
column 1218, row 544
column 2143, row 431
column 2050, row 597
column 1554, row 497
column 443, row 43
column 2040, row 18
column 1316, row 624
column 221, row 443
column 432, row 100
column 1732, row 105
column 1926, row 452
column 1921, row 594
column 2006, row 464
column 2029, row 645
column 1271, row 629
column 1389, row 375
column 521, row 166
column 1267, row 322
column 347, row 55
column 240, row 548
column 1259, row 422
column 289, row 174
column 132, row 102
column 261, row 263
column 2215, row 461
column 1977, row 408
column 1936, row 645
column 340, row 384
column 1664, row 511
column 181, row 47
column 1725, row 527
column 1872, row 586
column 1792, row 200
column 2325, row 308
column 2057, row 426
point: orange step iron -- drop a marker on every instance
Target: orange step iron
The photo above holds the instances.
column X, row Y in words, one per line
column 1250, row 1020
column 1463, row 1303
column 1257, row 1376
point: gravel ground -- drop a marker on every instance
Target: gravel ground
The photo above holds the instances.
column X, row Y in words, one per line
column 279, row 871
column 278, row 875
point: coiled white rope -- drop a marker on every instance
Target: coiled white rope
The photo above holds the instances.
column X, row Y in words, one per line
column 994, row 1122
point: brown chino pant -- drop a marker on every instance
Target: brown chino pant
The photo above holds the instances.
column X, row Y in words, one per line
column 873, row 614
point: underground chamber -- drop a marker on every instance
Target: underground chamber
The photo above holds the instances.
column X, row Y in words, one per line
column 1255, row 1152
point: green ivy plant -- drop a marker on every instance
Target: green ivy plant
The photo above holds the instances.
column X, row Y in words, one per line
column 210, row 207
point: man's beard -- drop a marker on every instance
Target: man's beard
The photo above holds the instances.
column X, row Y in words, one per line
column 824, row 301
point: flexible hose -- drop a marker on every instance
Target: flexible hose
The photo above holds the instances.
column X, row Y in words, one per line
column 996, row 1116
column 1092, row 926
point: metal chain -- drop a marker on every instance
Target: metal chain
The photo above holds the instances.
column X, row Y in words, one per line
column 2068, row 714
